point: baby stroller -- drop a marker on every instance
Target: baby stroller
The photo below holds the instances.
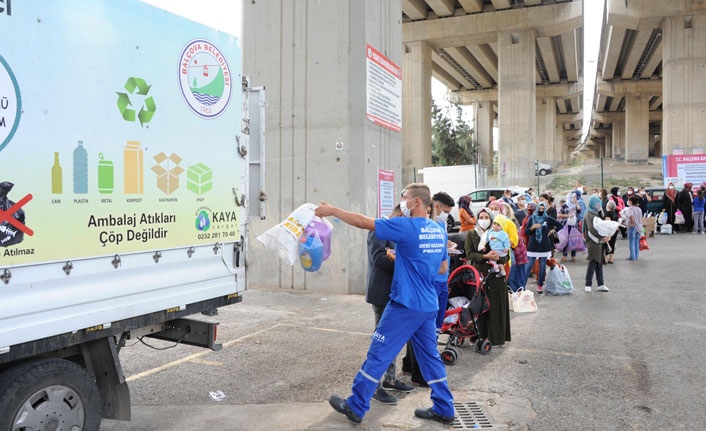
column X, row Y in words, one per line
column 469, row 300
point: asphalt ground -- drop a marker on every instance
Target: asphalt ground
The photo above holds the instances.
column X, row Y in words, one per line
column 630, row 359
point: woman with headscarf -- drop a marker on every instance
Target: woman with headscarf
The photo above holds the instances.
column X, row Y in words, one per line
column 468, row 220
column 520, row 211
column 595, row 245
column 685, row 202
column 569, row 217
column 540, row 245
column 611, row 214
column 494, row 324
column 669, row 205
column 518, row 269
column 619, row 206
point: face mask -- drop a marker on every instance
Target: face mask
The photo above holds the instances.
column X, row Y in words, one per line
column 484, row 224
column 642, row 192
column 442, row 217
column 629, row 192
column 521, row 203
column 495, row 213
column 671, row 187
column 405, row 211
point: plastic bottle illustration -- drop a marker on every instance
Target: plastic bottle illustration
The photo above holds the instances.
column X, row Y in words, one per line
column 80, row 169
column 56, row 178
column 105, row 175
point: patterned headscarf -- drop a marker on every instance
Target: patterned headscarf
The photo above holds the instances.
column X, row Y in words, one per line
column 539, row 219
column 594, row 205
column 671, row 193
column 483, row 233
column 465, row 203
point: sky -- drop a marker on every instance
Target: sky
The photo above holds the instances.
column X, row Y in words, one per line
column 223, row 15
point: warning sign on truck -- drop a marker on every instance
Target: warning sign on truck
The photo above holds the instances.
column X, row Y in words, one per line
column 384, row 91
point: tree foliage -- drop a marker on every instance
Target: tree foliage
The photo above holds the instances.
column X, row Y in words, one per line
column 452, row 141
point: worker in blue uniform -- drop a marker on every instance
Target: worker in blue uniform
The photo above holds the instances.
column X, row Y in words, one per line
column 412, row 310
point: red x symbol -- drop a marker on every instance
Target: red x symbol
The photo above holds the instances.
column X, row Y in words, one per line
column 7, row 215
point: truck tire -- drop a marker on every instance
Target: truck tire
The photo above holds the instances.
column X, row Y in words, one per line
column 49, row 394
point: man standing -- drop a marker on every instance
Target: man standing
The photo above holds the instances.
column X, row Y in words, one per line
column 411, row 312
column 377, row 293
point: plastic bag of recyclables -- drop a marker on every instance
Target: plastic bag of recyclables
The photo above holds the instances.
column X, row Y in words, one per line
column 285, row 236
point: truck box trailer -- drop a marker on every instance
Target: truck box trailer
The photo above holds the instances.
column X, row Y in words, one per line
column 131, row 158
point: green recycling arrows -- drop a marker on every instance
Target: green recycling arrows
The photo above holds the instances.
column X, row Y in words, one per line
column 146, row 111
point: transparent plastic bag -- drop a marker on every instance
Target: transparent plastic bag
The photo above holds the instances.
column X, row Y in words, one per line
column 284, row 236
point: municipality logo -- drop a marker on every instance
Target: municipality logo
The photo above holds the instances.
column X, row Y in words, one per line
column 203, row 223
column 10, row 104
column 204, row 78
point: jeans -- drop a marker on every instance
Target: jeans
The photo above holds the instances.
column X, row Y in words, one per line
column 699, row 221
column 598, row 268
column 542, row 269
column 634, row 242
column 392, row 369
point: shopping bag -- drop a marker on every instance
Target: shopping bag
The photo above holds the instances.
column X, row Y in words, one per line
column 663, row 218
column 666, row 229
column 643, row 243
column 523, row 301
column 576, row 240
column 558, row 281
column 563, row 238
column 679, row 218
column 284, row 236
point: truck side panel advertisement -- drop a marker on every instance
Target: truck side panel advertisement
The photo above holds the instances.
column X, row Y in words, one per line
column 118, row 131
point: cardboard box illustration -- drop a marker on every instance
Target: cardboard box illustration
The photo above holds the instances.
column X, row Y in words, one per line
column 199, row 178
column 167, row 178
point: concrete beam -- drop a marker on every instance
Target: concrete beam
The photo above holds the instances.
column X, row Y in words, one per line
column 568, row 44
column 644, row 14
column 468, row 30
column 615, row 88
column 501, row 4
column 611, row 53
column 561, row 106
column 466, row 97
column 472, row 6
column 612, row 117
column 655, row 60
column 442, row 7
column 437, row 59
column 569, row 118
column 547, row 51
column 635, row 52
column 655, row 103
column 415, row 9
column 533, row 2
column 615, row 103
column 487, row 58
column 471, row 65
column 600, row 102
column 444, row 77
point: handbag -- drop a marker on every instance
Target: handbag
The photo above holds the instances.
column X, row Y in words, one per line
column 523, row 301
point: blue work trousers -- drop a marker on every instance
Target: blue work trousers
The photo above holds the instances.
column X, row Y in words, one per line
column 397, row 325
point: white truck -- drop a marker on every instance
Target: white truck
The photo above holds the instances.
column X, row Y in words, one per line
column 131, row 158
column 456, row 181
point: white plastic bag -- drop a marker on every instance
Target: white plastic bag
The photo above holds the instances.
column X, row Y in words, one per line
column 284, row 236
column 605, row 227
column 523, row 301
column 663, row 218
column 558, row 281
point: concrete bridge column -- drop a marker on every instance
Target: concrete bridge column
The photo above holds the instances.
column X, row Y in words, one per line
column 560, row 154
column 637, row 128
column 608, row 147
column 416, row 109
column 616, row 140
column 684, row 86
column 517, row 105
column 484, row 131
column 546, row 130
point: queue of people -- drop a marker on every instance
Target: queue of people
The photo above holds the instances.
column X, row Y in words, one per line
column 685, row 209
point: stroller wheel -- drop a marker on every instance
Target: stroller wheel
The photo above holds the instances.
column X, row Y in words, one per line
column 449, row 356
column 486, row 347
column 460, row 341
column 477, row 343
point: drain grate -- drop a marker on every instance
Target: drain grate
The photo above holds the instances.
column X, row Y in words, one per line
column 470, row 416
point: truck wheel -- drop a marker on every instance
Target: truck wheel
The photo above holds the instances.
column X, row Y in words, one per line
column 48, row 394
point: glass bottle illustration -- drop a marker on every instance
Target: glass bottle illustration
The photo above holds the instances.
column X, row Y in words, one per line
column 56, row 179
column 80, row 169
column 133, row 177
column 105, row 175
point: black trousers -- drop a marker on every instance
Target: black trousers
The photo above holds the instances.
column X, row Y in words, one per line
column 596, row 267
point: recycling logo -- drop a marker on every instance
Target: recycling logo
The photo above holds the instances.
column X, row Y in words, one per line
column 148, row 107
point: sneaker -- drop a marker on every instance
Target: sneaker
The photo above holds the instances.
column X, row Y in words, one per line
column 587, row 288
column 382, row 396
column 574, row 259
column 539, row 289
column 563, row 259
column 341, row 406
column 602, row 288
column 432, row 415
column 397, row 386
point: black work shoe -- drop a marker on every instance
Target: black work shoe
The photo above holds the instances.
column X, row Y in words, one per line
column 431, row 414
column 397, row 386
column 382, row 396
column 418, row 381
column 341, row 406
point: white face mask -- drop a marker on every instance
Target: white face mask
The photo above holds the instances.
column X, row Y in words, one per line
column 494, row 212
column 407, row 212
column 671, row 187
column 484, row 224
column 595, row 194
column 442, row 217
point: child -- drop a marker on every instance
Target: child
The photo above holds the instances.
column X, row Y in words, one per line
column 500, row 242
column 699, row 212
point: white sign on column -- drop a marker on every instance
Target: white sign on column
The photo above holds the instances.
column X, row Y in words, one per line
column 383, row 91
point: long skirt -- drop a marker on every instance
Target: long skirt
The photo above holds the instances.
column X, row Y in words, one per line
column 495, row 324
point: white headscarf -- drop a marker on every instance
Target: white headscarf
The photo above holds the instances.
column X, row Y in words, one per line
column 483, row 233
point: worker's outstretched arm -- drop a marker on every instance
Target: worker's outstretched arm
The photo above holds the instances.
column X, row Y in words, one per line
column 354, row 219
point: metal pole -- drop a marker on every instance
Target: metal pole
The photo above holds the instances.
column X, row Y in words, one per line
column 602, row 184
